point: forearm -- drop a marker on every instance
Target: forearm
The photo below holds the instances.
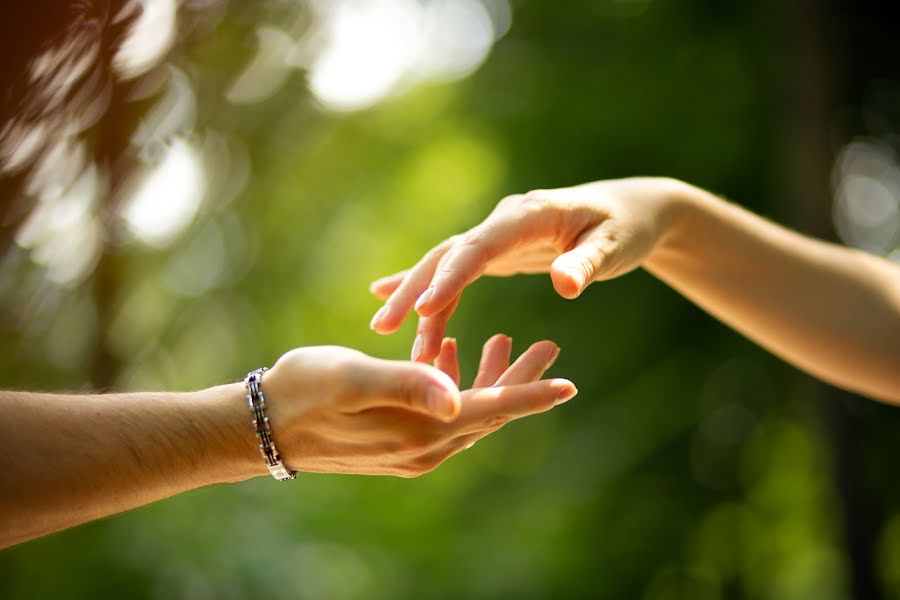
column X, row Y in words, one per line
column 69, row 459
column 830, row 310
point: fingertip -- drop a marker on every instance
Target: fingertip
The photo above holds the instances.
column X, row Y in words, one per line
column 448, row 359
column 377, row 318
column 544, row 344
column 565, row 391
column 447, row 350
column 418, row 346
column 387, row 320
column 497, row 339
column 567, row 284
column 450, row 346
column 380, row 293
column 384, row 328
column 423, row 297
column 425, row 310
column 383, row 287
column 443, row 399
column 544, row 351
column 431, row 302
column 554, row 354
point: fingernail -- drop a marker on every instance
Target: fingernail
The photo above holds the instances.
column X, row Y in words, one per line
column 377, row 318
column 424, row 297
column 565, row 395
column 417, row 347
column 438, row 403
column 553, row 356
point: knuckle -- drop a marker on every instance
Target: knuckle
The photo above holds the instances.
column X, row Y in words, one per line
column 438, row 250
column 510, row 201
column 537, row 200
column 540, row 204
column 472, row 238
column 534, row 195
column 468, row 243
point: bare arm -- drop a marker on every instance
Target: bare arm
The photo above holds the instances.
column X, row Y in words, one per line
column 832, row 311
column 69, row 459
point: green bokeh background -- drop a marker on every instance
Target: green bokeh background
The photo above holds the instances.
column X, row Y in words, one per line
column 692, row 464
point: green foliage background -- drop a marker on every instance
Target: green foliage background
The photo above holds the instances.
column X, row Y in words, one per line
column 691, row 465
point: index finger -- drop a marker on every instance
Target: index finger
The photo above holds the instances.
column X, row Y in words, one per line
column 467, row 258
column 395, row 310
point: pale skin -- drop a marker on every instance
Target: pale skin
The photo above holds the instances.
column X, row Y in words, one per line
column 69, row 459
column 831, row 311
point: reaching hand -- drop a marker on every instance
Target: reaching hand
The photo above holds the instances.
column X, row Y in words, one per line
column 579, row 235
column 337, row 410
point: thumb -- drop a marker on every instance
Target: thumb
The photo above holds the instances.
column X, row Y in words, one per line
column 412, row 386
column 573, row 271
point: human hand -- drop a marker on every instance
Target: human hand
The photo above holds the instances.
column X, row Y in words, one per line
column 579, row 234
column 336, row 410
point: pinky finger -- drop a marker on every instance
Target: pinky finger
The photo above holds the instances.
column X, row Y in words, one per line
column 383, row 288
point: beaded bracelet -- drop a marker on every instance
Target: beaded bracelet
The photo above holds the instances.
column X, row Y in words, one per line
column 257, row 401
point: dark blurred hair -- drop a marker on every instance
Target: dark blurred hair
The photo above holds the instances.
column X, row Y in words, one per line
column 56, row 79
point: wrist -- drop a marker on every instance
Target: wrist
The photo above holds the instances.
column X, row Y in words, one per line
column 230, row 446
column 679, row 206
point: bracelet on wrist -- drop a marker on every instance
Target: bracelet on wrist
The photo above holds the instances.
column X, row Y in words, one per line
column 257, row 401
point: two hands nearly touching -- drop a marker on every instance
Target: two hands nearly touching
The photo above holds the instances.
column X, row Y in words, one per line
column 830, row 310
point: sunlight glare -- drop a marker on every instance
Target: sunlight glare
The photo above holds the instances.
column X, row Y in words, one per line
column 169, row 197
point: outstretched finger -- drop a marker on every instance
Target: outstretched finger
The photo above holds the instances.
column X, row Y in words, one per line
column 430, row 333
column 531, row 365
column 462, row 264
column 383, row 287
column 489, row 408
column 494, row 360
column 468, row 257
column 390, row 316
column 448, row 359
